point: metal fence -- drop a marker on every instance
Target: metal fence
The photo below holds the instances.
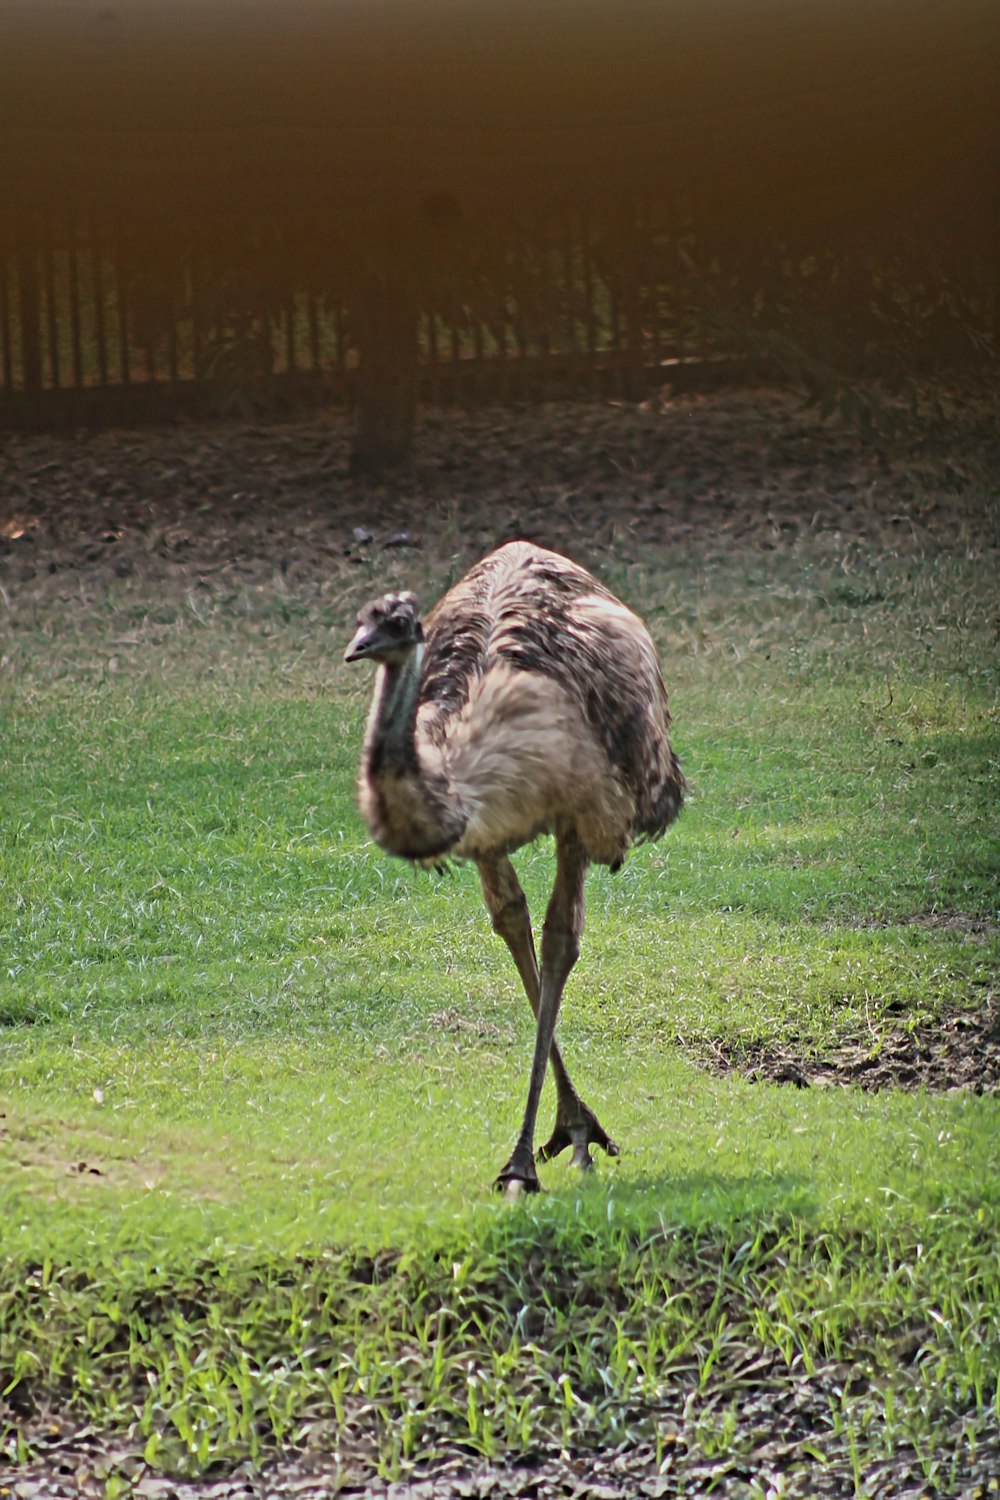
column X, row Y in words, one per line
column 98, row 327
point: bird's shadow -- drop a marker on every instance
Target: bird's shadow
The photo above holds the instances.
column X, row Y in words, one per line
column 603, row 1201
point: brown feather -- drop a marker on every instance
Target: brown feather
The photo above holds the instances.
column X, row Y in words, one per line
column 539, row 706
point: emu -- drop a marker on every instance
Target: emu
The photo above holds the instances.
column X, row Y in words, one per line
column 530, row 701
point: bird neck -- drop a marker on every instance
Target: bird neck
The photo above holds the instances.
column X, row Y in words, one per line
column 391, row 736
column 407, row 796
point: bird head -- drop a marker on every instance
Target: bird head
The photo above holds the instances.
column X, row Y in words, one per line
column 388, row 630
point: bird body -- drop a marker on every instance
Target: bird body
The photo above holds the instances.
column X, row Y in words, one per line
column 534, row 702
column 530, row 701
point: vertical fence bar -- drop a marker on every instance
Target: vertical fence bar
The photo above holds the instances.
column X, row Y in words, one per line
column 614, row 312
column 455, row 369
column 500, row 339
column 170, row 302
column 680, row 312
column 614, row 299
column 288, row 318
column 476, row 377
column 635, row 354
column 589, row 311
column 569, row 279
column 28, row 297
column 194, row 281
column 548, row 300
column 124, row 353
column 51, row 319
column 653, row 244
column 433, row 359
column 100, row 329
column 6, row 353
column 313, row 316
column 73, row 279
column 151, row 358
column 517, row 324
column 338, row 338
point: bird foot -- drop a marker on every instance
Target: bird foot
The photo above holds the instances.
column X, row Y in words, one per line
column 518, row 1176
column 581, row 1133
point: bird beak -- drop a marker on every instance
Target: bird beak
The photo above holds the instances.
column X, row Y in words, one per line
column 361, row 645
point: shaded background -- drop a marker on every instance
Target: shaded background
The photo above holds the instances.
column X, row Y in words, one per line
column 246, row 205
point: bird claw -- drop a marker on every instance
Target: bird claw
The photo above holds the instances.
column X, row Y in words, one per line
column 581, row 1136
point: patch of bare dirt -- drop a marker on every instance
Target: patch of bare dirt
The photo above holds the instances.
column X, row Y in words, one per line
column 961, row 1052
column 218, row 511
column 972, row 929
column 785, row 1441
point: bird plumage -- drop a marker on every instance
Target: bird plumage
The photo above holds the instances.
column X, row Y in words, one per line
column 539, row 698
column 529, row 701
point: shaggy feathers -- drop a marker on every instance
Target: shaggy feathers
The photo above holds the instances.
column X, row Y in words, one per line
column 536, row 615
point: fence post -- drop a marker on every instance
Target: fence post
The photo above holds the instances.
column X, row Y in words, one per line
column 387, row 371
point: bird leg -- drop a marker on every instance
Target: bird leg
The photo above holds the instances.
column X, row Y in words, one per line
column 508, row 908
column 576, row 1124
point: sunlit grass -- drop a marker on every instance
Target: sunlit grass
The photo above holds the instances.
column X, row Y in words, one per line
column 241, row 1051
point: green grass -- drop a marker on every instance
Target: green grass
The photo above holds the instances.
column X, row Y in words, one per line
column 256, row 1078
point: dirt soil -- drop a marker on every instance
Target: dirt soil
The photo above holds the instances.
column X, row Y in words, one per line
column 960, row 1052
column 204, row 517
column 781, row 1411
column 206, row 511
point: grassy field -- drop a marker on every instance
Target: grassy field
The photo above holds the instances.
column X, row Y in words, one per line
column 256, row 1078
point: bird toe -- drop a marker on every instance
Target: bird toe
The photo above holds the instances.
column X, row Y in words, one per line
column 581, row 1153
column 581, row 1134
column 557, row 1141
